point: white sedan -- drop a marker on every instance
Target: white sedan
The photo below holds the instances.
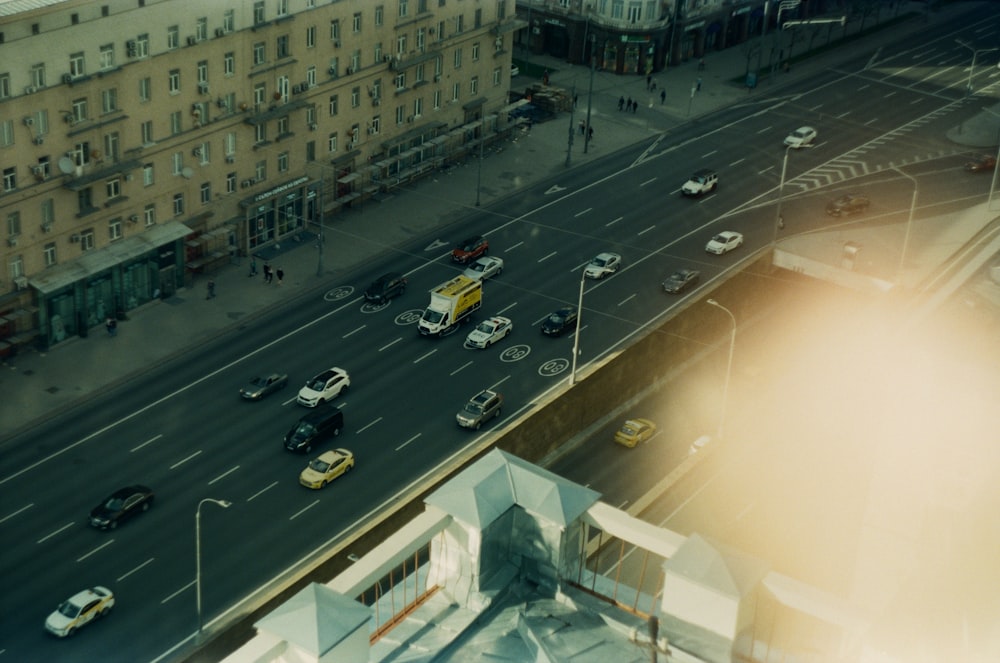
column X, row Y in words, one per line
column 484, row 268
column 79, row 610
column 800, row 137
column 604, row 264
column 489, row 332
column 724, row 242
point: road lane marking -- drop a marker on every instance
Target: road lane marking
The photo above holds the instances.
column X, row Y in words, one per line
column 763, row 131
column 97, row 549
column 179, row 592
column 223, row 475
column 122, row 577
column 390, row 344
column 643, row 232
column 465, row 365
column 736, row 163
column 708, row 154
column 303, row 510
column 582, row 212
column 508, row 307
column 512, row 247
column 353, row 331
column 649, row 181
column 408, row 441
column 544, row 258
column 49, row 536
column 627, row 299
column 149, row 441
column 611, row 223
column 424, row 356
column 500, row 382
column 582, row 327
column 11, row 515
column 262, row 491
column 181, row 462
column 367, row 426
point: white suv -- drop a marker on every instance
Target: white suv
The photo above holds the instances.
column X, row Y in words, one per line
column 324, row 387
column 703, row 181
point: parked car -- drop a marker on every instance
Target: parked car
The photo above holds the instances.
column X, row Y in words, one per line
column 323, row 422
column 850, row 203
column 635, row 431
column 489, row 332
column 469, row 249
column 385, row 288
column 484, row 268
column 603, row 264
column 680, row 281
column 982, row 163
column 121, row 505
column 324, row 387
column 327, row 467
column 484, row 406
column 801, row 137
column 264, row 385
column 79, row 610
column 724, row 242
column 559, row 321
column 701, row 182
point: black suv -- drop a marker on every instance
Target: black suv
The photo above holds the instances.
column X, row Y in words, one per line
column 559, row 321
column 386, row 287
column 850, row 203
column 323, row 422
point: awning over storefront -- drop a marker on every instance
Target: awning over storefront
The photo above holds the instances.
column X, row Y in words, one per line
column 95, row 262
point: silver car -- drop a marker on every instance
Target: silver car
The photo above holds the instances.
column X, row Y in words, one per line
column 484, row 406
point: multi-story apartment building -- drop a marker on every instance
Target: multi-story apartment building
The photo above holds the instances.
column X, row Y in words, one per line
column 141, row 141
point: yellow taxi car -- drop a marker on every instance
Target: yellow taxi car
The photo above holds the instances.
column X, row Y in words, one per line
column 79, row 610
column 635, row 431
column 327, row 467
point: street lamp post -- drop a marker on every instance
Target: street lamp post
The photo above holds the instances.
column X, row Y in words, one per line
column 909, row 223
column 576, row 336
column 479, row 173
column 972, row 67
column 729, row 368
column 225, row 504
column 779, row 221
column 590, row 94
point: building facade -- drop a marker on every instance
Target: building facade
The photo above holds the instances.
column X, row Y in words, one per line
column 144, row 141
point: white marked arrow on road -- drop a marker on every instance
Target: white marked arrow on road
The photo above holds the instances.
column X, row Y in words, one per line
column 435, row 245
column 555, row 188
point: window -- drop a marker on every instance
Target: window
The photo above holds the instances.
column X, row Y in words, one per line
column 458, row 58
column 229, row 20
column 404, row 8
column 178, row 204
column 260, row 133
column 48, row 211
column 142, row 46
column 334, row 103
column 38, row 76
column 378, row 52
column 13, row 224
column 400, row 81
column 283, row 162
column 173, row 37
column 174, row 81
column 335, row 30
column 634, row 13
column 421, row 6
column 379, row 15
column 230, row 182
column 201, row 29
column 106, row 58
column 475, row 52
column 282, row 125
column 49, row 254
column 204, row 155
column 115, row 229
column 112, row 145
column 281, row 46
column 421, row 39
column 401, row 45
column 202, row 69
column 311, row 36
column 177, row 163
column 282, row 7
column 84, row 201
column 147, row 174
column 376, row 91
column 6, row 132
column 311, row 76
column 77, row 65
column 259, row 52
column 456, row 91
column 400, row 114
column 331, row 142
column 229, row 63
column 44, row 170
column 145, row 89
column 4, row 86
column 355, row 97
column 79, row 110
column 418, row 107
column 205, row 193
column 229, row 144
column 474, row 85
column 356, row 23
column 113, row 188
column 437, row 100
column 258, row 12
column 109, row 100
column 259, row 94
column 260, row 171
column 81, row 154
column 87, row 242
column 175, row 123
column 149, row 214
column 418, row 74
column 477, row 20
column 459, row 23
column 15, row 265
column 355, row 60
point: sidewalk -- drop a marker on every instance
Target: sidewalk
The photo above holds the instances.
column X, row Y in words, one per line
column 37, row 383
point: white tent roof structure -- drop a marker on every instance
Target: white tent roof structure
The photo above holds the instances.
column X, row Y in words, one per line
column 498, row 481
column 729, row 572
column 316, row 619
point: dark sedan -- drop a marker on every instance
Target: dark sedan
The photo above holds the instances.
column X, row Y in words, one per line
column 680, row 281
column 559, row 321
column 264, row 385
column 121, row 505
column 385, row 288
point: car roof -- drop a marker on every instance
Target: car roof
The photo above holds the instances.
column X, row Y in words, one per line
column 564, row 310
column 85, row 596
column 607, row 255
column 484, row 396
column 334, row 454
column 130, row 490
column 728, row 234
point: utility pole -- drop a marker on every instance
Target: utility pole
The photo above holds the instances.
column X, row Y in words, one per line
column 569, row 146
column 590, row 96
column 319, row 235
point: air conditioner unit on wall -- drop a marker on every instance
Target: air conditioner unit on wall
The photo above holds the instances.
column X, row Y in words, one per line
column 29, row 90
column 21, row 282
column 46, row 228
column 12, row 240
column 191, row 41
column 67, row 78
column 231, row 158
column 219, row 32
column 38, row 140
column 74, row 238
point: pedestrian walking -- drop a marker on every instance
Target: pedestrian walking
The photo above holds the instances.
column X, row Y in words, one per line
column 112, row 326
column 698, row 85
column 663, row 96
column 253, row 267
column 590, row 133
column 267, row 272
column 583, row 127
column 211, row 290
column 628, row 105
column 621, row 103
column 575, row 97
column 280, row 274
column 635, row 107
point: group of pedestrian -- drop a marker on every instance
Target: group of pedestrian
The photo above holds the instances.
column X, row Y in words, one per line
column 628, row 105
column 270, row 274
column 586, row 130
column 650, row 84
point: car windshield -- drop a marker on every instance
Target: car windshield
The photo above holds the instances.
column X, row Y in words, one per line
column 478, row 267
column 114, row 504
column 319, row 465
column 557, row 318
column 700, row 179
column 598, row 262
column 628, row 430
column 67, row 609
column 719, row 238
column 474, row 408
column 304, row 430
column 317, row 385
column 485, row 327
column 432, row 316
column 258, row 382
